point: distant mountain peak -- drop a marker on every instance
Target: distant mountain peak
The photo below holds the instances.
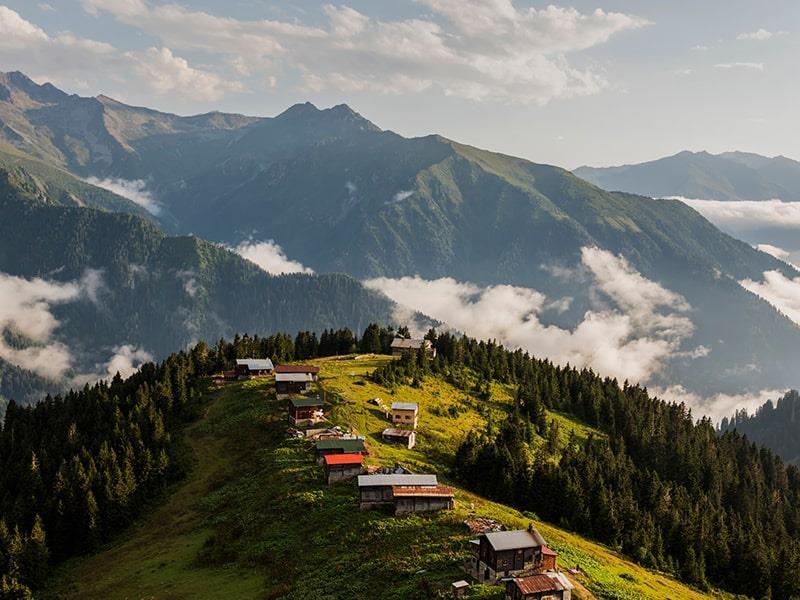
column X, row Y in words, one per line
column 341, row 113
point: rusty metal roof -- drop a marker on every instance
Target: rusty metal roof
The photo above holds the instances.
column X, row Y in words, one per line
column 296, row 369
column 412, row 491
column 538, row 583
column 344, row 459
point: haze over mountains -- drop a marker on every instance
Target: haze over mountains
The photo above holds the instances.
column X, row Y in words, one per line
column 700, row 175
column 464, row 235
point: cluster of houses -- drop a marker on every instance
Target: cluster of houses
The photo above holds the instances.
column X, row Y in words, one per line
column 518, row 559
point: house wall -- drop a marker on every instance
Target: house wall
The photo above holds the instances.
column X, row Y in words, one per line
column 342, row 473
column 373, row 496
column 422, row 504
column 291, row 387
column 407, row 418
column 409, row 442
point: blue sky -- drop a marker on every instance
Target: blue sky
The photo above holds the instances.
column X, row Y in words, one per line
column 601, row 82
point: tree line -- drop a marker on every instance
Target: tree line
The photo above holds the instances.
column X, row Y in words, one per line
column 653, row 482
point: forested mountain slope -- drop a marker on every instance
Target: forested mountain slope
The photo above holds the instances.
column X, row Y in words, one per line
column 775, row 425
column 142, row 289
column 726, row 176
column 341, row 195
column 241, row 522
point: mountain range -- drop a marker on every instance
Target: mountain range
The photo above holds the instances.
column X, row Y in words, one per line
column 700, row 175
column 341, row 195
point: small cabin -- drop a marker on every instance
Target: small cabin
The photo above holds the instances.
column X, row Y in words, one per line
column 306, row 411
column 292, row 380
column 324, row 448
column 405, row 414
column 252, row 368
column 376, row 490
column 341, row 467
column 401, row 345
column 459, row 588
column 542, row 586
column 499, row 554
column 406, row 437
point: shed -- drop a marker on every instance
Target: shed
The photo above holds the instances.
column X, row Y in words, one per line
column 405, row 437
column 341, row 467
column 377, row 490
column 459, row 588
column 400, row 345
column 287, row 384
column 306, row 411
column 251, row 368
column 340, row 446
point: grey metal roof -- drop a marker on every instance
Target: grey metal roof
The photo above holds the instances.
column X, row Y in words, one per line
column 400, row 479
column 255, row 364
column 404, row 406
column 410, row 344
column 297, row 377
column 512, row 540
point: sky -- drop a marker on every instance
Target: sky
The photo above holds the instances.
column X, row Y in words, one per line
column 601, row 83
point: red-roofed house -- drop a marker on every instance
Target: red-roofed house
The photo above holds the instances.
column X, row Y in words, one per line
column 341, row 467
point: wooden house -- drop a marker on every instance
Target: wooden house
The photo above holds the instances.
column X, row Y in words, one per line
column 406, row 437
column 292, row 380
column 341, row 467
column 499, row 554
column 403, row 492
column 324, row 448
column 541, row 586
column 306, row 411
column 405, row 414
column 401, row 345
column 251, row 368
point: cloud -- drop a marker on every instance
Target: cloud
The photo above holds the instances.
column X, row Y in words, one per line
column 401, row 195
column 790, row 258
column 126, row 360
column 65, row 58
column 25, row 311
column 699, row 48
column 760, row 35
column 134, row 190
column 190, row 283
column 715, row 407
column 474, row 49
column 44, row 6
column 780, row 291
column 747, row 214
column 634, row 327
column 270, row 257
column 682, row 72
column 755, row 66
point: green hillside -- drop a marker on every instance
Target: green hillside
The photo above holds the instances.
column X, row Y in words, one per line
column 255, row 520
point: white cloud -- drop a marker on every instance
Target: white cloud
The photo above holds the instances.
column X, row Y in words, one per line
column 401, row 195
column 635, row 326
column 760, row 35
column 474, row 49
column 755, row 66
column 25, row 310
column 747, row 214
column 190, row 283
column 46, row 7
column 715, row 407
column 682, row 72
column 126, row 360
column 699, row 48
column 780, row 291
column 790, row 258
column 65, row 58
column 134, row 190
column 270, row 257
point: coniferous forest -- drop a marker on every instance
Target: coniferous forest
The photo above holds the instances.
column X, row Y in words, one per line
column 661, row 487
